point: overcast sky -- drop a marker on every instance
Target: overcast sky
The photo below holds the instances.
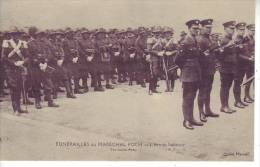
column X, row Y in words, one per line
column 121, row 13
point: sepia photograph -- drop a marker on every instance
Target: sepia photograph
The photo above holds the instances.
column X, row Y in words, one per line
column 127, row 80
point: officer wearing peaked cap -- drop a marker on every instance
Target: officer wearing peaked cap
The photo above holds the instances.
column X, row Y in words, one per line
column 241, row 64
column 207, row 62
column 188, row 61
column 250, row 56
column 228, row 64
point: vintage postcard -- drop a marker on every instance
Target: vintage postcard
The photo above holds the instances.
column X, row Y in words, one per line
column 127, row 80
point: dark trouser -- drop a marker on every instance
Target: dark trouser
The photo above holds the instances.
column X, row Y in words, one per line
column 140, row 70
column 61, row 76
column 122, row 69
column 15, row 83
column 239, row 76
column 249, row 73
column 74, row 73
column 131, row 69
column 39, row 77
column 205, row 88
column 2, row 78
column 189, row 94
column 226, row 83
column 155, row 72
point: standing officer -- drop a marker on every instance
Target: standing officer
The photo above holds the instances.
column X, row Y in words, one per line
column 170, row 55
column 40, row 71
column 130, row 54
column 250, row 57
column 4, row 36
column 122, row 69
column 87, row 52
column 241, row 64
column 188, row 61
column 155, row 48
column 140, row 45
column 61, row 73
column 71, row 61
column 228, row 64
column 15, row 58
column 207, row 62
column 103, row 59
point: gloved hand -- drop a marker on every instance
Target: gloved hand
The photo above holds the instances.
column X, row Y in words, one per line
column 117, row 53
column 43, row 66
column 60, row 62
column 19, row 63
column 89, row 58
column 148, row 58
column 161, row 53
column 132, row 55
column 75, row 59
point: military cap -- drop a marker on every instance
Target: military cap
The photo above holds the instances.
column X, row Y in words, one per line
column 168, row 29
column 57, row 32
column 241, row 25
column 41, row 32
column 156, row 29
column 206, row 22
column 183, row 33
column 68, row 30
column 85, row 31
column 141, row 30
column 230, row 24
column 15, row 30
column 250, row 26
column 32, row 31
column 120, row 31
column 192, row 22
column 129, row 29
column 111, row 30
column 101, row 30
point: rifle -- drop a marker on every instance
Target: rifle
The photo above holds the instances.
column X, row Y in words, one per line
column 248, row 81
column 222, row 47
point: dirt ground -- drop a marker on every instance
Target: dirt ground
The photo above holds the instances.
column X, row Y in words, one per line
column 125, row 124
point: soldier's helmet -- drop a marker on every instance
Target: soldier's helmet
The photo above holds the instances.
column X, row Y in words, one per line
column 156, row 30
column 168, row 30
column 32, row 31
column 68, row 30
column 129, row 30
column 100, row 30
column 183, row 33
column 141, row 30
column 85, row 31
column 15, row 30
column 56, row 32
